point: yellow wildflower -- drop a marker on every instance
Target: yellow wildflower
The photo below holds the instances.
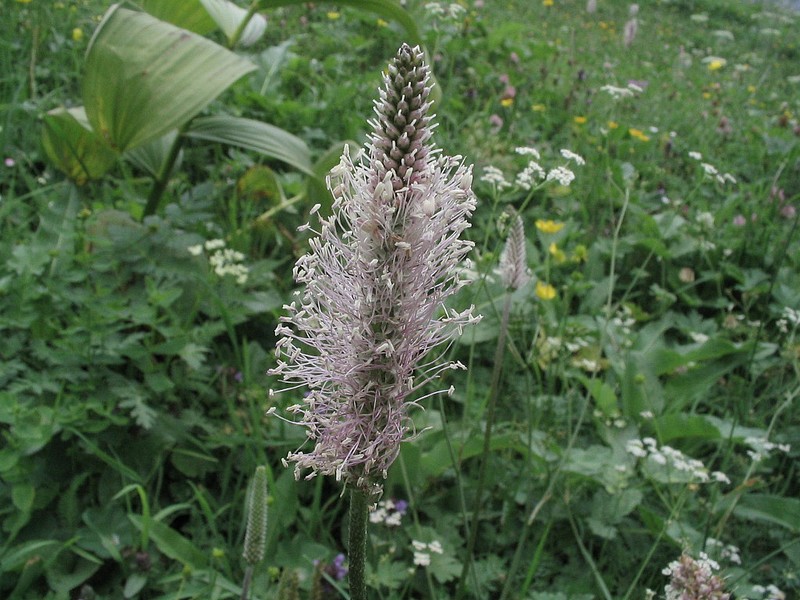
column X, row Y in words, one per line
column 547, row 2
column 715, row 65
column 557, row 253
column 579, row 120
column 333, row 15
column 77, row 34
column 382, row 23
column 506, row 102
column 638, row 134
column 548, row 226
column 751, row 89
column 612, row 124
column 545, row 291
column 538, row 108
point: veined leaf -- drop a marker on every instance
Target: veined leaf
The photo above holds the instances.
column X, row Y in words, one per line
column 172, row 543
column 387, row 9
column 72, row 146
column 229, row 17
column 145, row 77
column 186, row 14
column 261, row 137
column 151, row 156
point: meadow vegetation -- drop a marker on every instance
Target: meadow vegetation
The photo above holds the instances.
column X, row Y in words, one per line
column 636, row 428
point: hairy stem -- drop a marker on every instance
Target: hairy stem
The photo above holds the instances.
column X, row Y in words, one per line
column 357, row 548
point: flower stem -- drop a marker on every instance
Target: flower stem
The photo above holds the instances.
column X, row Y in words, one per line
column 487, row 443
column 357, row 548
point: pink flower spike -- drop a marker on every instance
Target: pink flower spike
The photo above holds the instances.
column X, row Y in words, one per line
column 376, row 279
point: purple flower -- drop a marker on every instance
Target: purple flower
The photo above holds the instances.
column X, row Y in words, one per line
column 376, row 279
column 401, row 506
column 9, row 162
column 339, row 570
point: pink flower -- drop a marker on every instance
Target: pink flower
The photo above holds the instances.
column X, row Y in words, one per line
column 788, row 211
column 739, row 221
column 376, row 279
column 10, row 162
column 496, row 121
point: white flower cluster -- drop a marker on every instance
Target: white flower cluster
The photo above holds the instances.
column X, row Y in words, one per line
column 494, row 176
column 533, row 172
column 224, row 261
column 761, row 448
column 770, row 592
column 621, row 92
column 728, row 552
column 388, row 512
column 422, row 556
column 674, row 459
column 441, row 10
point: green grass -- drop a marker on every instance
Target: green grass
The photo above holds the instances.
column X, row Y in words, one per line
column 133, row 386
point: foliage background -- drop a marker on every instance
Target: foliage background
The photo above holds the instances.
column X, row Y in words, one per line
column 133, row 386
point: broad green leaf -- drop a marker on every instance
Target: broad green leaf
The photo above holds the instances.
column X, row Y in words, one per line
column 171, row 543
column 145, row 77
column 681, row 425
column 134, row 585
column 72, row 146
column 186, row 14
column 253, row 135
column 603, row 394
column 391, row 10
column 783, row 511
column 151, row 156
column 229, row 17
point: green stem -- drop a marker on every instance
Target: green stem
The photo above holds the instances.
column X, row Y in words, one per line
column 248, row 576
column 357, row 548
column 161, row 181
column 240, row 29
column 487, row 440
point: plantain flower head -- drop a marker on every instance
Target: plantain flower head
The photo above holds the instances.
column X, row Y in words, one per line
column 375, row 282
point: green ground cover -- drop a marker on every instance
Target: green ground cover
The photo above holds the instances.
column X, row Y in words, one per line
column 643, row 401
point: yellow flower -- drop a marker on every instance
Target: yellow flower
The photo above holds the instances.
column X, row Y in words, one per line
column 545, row 291
column 638, row 134
column 77, row 34
column 548, row 226
column 382, row 23
column 751, row 89
column 557, row 253
column 24, row 1
column 547, row 2
column 579, row 120
column 706, row 95
column 612, row 124
column 333, row 15
column 715, row 65
column 538, row 108
column 506, row 102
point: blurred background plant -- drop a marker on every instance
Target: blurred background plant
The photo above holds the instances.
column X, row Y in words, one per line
column 647, row 408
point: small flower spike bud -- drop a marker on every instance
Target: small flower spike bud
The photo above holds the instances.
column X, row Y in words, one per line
column 513, row 263
column 376, row 279
column 255, row 537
